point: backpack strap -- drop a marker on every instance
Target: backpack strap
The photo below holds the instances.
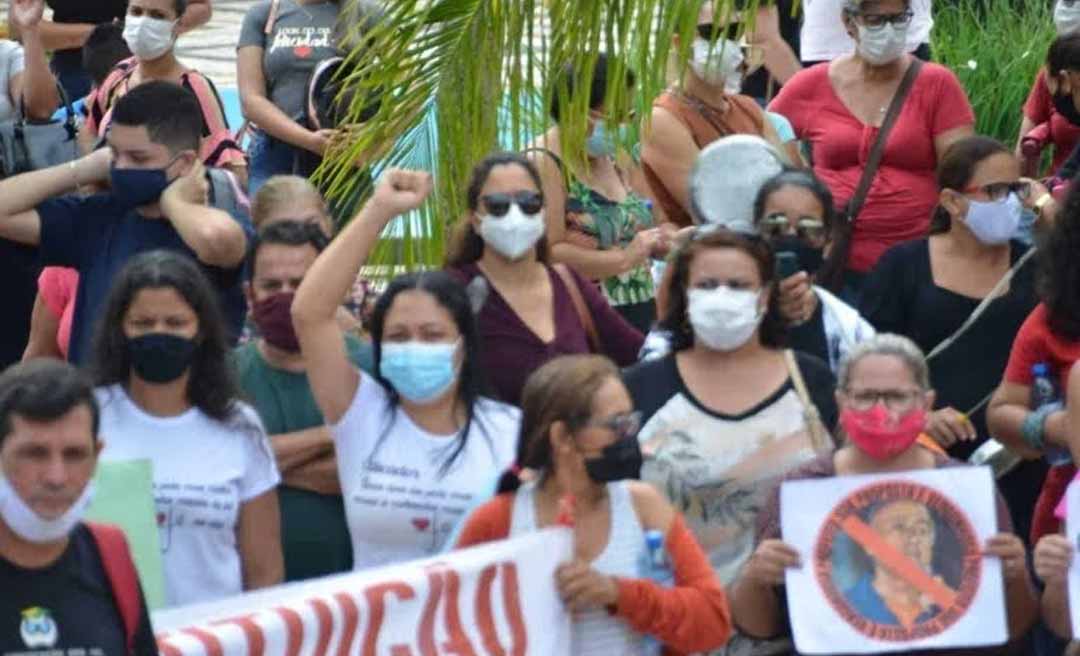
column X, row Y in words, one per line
column 819, row 437
column 271, row 18
column 217, row 139
column 226, row 194
column 123, row 579
column 580, row 307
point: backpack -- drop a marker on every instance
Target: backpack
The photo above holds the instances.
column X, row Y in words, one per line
column 226, row 194
column 120, row 571
column 206, row 95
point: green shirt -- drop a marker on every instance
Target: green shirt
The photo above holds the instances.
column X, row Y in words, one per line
column 314, row 535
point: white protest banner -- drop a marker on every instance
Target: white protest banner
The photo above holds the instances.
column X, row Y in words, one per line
column 1072, row 530
column 893, row 562
column 498, row 598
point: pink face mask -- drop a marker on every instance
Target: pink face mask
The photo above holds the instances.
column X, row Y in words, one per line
column 875, row 434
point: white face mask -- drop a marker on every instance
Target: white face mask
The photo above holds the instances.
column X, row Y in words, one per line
column 723, row 318
column 31, row 526
column 148, row 38
column 882, row 46
column 514, row 233
column 994, row 222
column 1066, row 18
column 718, row 64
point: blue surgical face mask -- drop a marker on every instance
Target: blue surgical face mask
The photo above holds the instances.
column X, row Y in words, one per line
column 419, row 371
column 604, row 141
column 138, row 187
column 994, row 222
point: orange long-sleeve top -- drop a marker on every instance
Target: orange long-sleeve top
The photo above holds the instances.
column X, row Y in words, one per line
column 690, row 617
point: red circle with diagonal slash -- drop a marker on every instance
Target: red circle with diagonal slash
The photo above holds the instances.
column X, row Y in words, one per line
column 846, row 518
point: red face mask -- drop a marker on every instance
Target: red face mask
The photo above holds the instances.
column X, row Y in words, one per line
column 273, row 319
column 875, row 434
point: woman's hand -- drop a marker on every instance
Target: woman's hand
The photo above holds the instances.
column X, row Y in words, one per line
column 769, row 562
column 401, row 191
column 641, row 248
column 798, row 302
column 582, row 587
column 948, row 426
column 1053, row 558
column 27, row 14
column 1010, row 550
column 319, row 141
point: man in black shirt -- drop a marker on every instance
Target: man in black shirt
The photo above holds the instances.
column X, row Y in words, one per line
column 72, row 22
column 58, row 595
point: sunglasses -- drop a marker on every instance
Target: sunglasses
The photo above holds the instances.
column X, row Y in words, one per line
column 875, row 22
column 1001, row 190
column 778, row 224
column 498, row 205
column 625, row 425
column 731, row 32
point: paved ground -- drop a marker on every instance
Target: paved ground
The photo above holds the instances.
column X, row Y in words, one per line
column 210, row 49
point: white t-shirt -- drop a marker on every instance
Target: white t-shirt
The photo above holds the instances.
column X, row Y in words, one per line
column 823, row 37
column 204, row 470
column 12, row 62
column 398, row 504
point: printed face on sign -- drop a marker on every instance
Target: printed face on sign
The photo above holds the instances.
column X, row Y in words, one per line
column 898, row 561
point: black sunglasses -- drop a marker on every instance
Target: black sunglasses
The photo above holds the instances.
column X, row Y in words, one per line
column 497, row 205
column 731, row 32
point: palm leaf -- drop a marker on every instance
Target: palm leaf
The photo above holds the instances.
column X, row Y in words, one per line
column 461, row 78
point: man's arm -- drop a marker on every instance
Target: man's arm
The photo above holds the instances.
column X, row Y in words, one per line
column 21, row 194
column 319, row 475
column 59, row 36
column 300, row 447
column 216, row 238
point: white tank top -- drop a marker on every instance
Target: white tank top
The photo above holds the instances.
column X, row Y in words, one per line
column 596, row 632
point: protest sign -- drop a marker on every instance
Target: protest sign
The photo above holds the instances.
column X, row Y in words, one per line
column 896, row 559
column 124, row 496
column 498, row 598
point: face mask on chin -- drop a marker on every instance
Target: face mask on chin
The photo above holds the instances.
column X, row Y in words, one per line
column 32, row 527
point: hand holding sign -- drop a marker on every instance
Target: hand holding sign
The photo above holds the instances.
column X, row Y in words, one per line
column 583, row 588
column 1053, row 557
column 769, row 563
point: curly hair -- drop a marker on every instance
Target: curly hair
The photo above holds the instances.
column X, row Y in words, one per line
column 676, row 320
column 1059, row 269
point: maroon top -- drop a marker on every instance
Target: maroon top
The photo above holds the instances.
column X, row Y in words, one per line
column 512, row 351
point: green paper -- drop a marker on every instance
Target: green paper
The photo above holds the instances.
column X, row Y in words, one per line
column 124, row 496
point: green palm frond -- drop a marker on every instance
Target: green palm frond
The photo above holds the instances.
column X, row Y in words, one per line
column 461, row 78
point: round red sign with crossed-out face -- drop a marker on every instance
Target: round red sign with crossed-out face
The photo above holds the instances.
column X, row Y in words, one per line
column 898, row 561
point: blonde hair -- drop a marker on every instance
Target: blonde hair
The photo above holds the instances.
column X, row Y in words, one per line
column 282, row 189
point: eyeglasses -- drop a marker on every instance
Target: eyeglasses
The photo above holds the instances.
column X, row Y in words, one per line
column 498, row 205
column 624, row 425
column 709, row 32
column 807, row 228
column 895, row 400
column 875, row 22
column 1001, row 190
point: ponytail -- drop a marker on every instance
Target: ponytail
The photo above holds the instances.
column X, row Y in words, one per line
column 941, row 221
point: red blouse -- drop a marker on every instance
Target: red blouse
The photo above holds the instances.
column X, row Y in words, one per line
column 904, row 192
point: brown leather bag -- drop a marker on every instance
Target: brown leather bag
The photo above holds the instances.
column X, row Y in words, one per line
column 579, row 306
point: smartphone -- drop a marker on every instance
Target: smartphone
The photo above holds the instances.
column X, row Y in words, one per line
column 787, row 264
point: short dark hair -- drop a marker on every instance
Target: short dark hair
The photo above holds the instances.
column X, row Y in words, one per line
column 44, row 389
column 169, row 112
column 1064, row 53
column 676, row 320
column 566, row 82
column 287, row 233
column 180, row 6
column 103, row 50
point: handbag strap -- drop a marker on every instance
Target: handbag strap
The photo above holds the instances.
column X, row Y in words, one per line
column 819, row 437
column 877, row 151
column 579, row 306
column 983, row 304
